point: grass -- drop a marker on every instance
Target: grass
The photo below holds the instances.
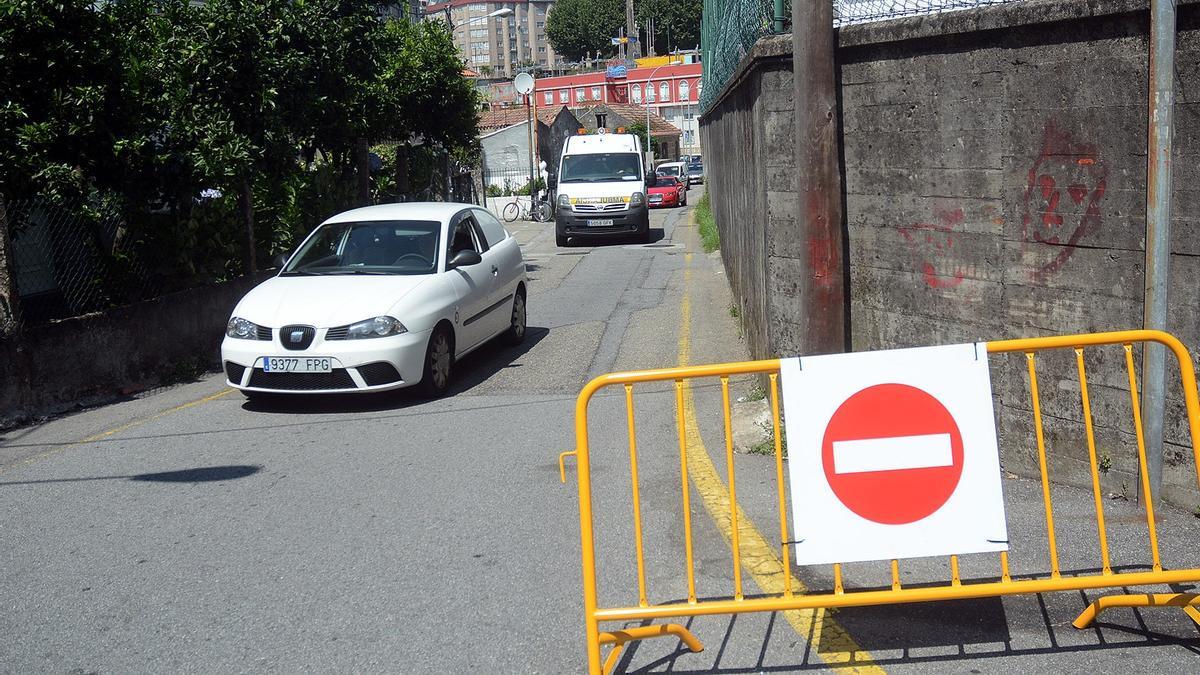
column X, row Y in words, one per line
column 734, row 311
column 767, row 447
column 709, row 237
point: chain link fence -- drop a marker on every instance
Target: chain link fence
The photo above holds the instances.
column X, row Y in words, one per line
column 68, row 260
column 729, row 28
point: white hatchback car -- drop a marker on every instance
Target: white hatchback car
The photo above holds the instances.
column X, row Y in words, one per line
column 379, row 298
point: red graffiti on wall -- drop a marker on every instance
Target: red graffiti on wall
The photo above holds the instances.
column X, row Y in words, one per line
column 1062, row 196
column 936, row 241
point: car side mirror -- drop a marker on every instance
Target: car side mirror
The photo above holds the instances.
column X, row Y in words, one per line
column 464, row 259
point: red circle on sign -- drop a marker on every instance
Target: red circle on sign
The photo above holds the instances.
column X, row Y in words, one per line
column 892, row 414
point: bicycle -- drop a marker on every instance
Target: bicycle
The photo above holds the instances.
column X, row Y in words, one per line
column 538, row 212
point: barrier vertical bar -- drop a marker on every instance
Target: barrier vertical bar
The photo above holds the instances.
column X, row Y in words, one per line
column 954, row 578
column 735, row 539
column 783, row 529
column 637, row 502
column 1091, row 441
column 837, row 579
column 1141, row 444
column 1004, row 575
column 895, row 574
column 583, row 475
column 1041, row 442
column 687, row 497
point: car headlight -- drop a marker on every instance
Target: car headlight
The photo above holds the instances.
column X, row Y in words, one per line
column 241, row 328
column 564, row 202
column 380, row 326
column 638, row 199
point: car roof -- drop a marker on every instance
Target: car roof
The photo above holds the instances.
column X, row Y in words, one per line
column 438, row 211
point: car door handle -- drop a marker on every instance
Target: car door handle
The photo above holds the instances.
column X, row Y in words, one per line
column 495, row 270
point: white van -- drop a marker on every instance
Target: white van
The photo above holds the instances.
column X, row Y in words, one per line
column 601, row 188
column 676, row 169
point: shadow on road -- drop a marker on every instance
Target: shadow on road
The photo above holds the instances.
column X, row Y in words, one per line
column 472, row 370
column 958, row 631
column 206, row 474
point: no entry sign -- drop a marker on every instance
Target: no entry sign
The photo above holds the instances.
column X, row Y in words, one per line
column 893, row 454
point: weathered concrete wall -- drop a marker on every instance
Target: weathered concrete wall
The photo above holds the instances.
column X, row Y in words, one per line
column 995, row 173
column 96, row 358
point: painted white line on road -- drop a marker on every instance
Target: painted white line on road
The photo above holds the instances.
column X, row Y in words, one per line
column 892, row 453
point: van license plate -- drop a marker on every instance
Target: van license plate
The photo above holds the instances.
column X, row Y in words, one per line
column 607, row 222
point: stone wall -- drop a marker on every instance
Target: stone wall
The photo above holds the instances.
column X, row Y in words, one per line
column 96, row 358
column 994, row 167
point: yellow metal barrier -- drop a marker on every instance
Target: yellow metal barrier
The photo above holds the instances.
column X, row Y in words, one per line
column 957, row 588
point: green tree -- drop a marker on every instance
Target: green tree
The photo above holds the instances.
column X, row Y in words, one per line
column 576, row 28
column 57, row 67
column 676, row 23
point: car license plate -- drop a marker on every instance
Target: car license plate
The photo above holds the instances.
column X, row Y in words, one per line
column 606, row 222
column 311, row 364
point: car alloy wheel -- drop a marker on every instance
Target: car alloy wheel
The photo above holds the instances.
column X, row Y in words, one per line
column 516, row 327
column 439, row 361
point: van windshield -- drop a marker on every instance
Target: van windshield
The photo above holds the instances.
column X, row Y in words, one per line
column 600, row 168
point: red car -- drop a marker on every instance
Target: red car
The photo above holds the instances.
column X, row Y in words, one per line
column 667, row 191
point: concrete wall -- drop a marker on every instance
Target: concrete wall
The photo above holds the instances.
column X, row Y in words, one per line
column 994, row 172
column 96, row 358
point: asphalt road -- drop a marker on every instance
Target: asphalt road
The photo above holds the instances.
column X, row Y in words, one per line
column 189, row 530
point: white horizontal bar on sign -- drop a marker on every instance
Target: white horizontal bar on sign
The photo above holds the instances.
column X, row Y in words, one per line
column 892, row 453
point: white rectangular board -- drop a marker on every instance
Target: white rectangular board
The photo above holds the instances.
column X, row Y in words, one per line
column 893, row 454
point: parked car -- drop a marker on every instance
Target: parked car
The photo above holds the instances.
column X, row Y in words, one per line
column 677, row 169
column 695, row 172
column 667, row 191
column 379, row 298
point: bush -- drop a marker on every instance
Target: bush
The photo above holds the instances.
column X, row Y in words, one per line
column 709, row 236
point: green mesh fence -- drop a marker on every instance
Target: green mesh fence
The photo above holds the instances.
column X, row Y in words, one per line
column 729, row 28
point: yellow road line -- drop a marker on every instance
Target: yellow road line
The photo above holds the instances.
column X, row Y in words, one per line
column 760, row 559
column 116, row 430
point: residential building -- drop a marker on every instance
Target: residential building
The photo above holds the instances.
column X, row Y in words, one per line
column 670, row 91
column 499, row 45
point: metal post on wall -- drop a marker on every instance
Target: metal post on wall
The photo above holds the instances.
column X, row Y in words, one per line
column 1158, row 229
column 819, row 183
column 777, row 23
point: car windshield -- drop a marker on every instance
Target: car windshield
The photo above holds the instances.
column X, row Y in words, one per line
column 696, row 167
column 600, row 168
column 374, row 247
column 668, row 170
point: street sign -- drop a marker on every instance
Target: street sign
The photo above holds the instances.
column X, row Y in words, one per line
column 893, row 454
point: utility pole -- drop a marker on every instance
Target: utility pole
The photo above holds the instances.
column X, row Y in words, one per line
column 1158, row 236
column 819, row 186
column 631, row 31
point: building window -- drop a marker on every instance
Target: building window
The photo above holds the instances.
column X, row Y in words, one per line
column 541, row 50
column 549, row 97
column 683, row 90
column 636, row 93
column 579, row 94
column 664, row 91
column 649, row 93
column 595, row 93
column 601, row 120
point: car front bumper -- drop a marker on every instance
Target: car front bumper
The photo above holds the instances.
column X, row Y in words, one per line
column 373, row 364
column 632, row 221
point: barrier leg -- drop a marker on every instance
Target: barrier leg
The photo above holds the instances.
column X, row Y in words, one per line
column 1187, row 601
column 619, row 638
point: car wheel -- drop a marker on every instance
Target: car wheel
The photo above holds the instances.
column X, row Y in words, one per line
column 439, row 363
column 516, row 327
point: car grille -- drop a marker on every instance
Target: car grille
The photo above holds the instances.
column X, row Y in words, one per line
column 263, row 333
column 380, row 372
column 596, row 208
column 307, row 333
column 234, row 372
column 338, row 333
column 338, row 378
